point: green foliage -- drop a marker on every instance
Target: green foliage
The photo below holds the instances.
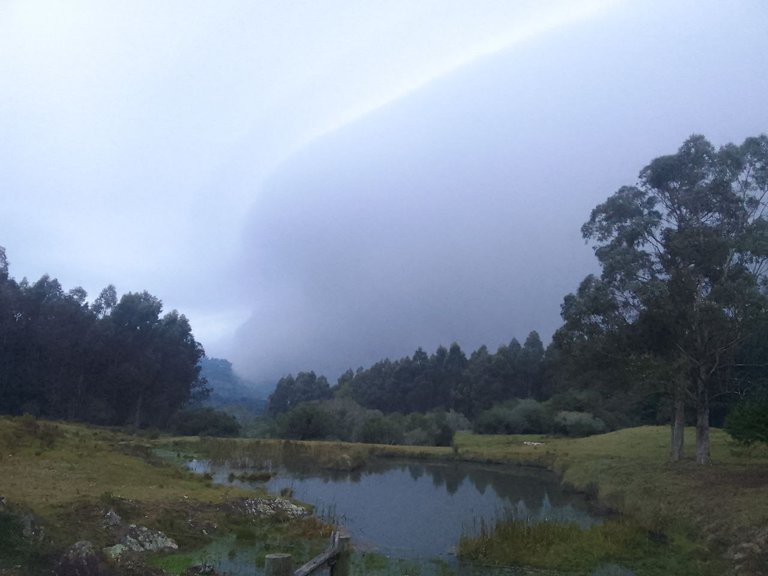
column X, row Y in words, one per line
column 344, row 419
column 748, row 421
column 382, row 430
column 525, row 416
column 448, row 380
column 578, row 424
column 290, row 392
column 116, row 362
column 204, row 422
column 528, row 416
column 683, row 258
column 15, row 549
column 307, row 421
column 569, row 547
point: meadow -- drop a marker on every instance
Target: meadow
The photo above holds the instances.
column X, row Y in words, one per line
column 680, row 518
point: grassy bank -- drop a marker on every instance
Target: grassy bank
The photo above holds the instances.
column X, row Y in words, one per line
column 712, row 517
column 627, row 471
column 676, row 519
column 58, row 481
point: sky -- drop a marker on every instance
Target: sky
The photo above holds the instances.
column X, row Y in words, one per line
column 319, row 185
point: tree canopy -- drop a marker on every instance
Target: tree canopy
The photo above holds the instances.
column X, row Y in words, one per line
column 683, row 278
column 113, row 361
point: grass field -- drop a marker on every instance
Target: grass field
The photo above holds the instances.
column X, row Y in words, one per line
column 714, row 516
column 64, row 477
column 67, row 475
column 677, row 518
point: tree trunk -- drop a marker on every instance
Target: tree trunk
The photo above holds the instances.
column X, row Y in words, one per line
column 702, row 424
column 678, row 423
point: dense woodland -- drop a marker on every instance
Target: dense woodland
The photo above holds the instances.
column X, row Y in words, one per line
column 113, row 361
column 674, row 329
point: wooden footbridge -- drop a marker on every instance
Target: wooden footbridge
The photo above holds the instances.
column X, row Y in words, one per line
column 336, row 559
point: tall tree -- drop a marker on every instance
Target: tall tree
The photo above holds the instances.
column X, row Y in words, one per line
column 290, row 391
column 687, row 247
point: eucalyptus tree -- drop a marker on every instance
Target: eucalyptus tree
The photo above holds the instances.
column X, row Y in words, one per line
column 683, row 257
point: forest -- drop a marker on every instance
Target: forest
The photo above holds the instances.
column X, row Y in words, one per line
column 673, row 330
column 112, row 362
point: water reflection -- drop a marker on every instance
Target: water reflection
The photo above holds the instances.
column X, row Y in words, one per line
column 420, row 510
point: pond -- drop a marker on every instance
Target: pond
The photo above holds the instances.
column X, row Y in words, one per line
column 418, row 510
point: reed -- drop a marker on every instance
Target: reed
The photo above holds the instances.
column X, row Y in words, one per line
column 582, row 550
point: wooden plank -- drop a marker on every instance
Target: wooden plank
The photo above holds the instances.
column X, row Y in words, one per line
column 338, row 549
column 316, row 563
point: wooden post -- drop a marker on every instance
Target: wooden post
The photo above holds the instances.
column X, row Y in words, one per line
column 342, row 565
column 278, row 565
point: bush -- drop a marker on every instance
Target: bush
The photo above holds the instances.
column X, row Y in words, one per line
column 747, row 422
column 204, row 422
column 381, row 430
column 519, row 417
column 578, row 423
column 307, row 421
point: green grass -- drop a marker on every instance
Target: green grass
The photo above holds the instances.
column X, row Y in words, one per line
column 698, row 510
column 702, row 509
column 253, row 453
column 66, row 476
column 674, row 516
column 581, row 550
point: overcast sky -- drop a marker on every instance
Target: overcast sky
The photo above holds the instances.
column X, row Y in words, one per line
column 318, row 185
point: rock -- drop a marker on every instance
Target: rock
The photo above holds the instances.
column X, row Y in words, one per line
column 269, row 507
column 141, row 539
column 114, row 552
column 112, row 519
column 761, row 537
column 81, row 559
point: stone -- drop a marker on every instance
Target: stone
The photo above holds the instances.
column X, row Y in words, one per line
column 81, row 559
column 114, row 552
column 269, row 507
column 142, row 539
column 112, row 519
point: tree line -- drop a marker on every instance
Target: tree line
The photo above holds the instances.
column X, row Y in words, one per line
column 445, row 379
column 674, row 329
column 112, row 362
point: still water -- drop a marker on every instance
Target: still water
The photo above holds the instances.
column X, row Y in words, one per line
column 417, row 510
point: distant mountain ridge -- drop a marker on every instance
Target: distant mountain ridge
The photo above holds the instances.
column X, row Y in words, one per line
column 229, row 391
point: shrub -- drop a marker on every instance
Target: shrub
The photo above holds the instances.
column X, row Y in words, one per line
column 578, row 423
column 747, row 422
column 381, row 430
column 307, row 421
column 519, row 417
column 204, row 422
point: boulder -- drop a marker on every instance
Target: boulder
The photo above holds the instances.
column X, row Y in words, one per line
column 270, row 507
column 141, row 539
column 112, row 519
column 81, row 559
